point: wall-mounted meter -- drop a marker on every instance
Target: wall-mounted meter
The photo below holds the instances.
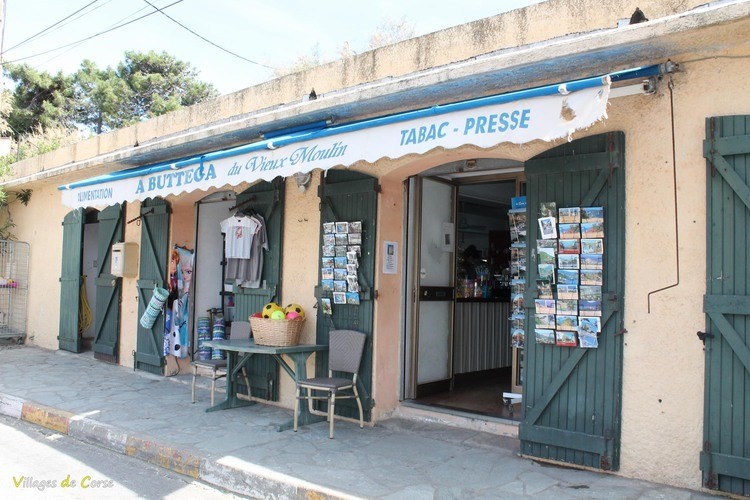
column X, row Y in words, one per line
column 124, row 261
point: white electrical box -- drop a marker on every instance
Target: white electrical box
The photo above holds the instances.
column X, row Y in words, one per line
column 124, row 261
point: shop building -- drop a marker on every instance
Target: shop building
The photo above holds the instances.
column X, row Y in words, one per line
column 634, row 138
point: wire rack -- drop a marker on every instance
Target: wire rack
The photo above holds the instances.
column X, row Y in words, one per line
column 14, row 288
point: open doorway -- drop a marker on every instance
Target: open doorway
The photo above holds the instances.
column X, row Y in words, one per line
column 89, row 274
column 459, row 349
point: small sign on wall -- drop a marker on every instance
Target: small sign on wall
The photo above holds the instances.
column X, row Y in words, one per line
column 390, row 257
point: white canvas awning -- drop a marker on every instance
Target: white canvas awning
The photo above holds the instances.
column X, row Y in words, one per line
column 545, row 113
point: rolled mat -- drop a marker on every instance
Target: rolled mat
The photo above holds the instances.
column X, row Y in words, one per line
column 154, row 307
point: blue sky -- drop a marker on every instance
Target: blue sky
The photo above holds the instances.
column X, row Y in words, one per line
column 273, row 33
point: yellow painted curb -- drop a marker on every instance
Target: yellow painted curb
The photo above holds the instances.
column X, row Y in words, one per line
column 163, row 456
column 51, row 418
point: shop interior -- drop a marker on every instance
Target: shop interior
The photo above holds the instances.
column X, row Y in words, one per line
column 483, row 363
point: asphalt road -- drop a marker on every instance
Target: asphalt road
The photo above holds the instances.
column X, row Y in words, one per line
column 36, row 463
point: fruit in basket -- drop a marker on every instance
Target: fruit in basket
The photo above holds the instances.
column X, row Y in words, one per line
column 269, row 309
column 292, row 315
column 256, row 315
column 278, row 314
column 295, row 308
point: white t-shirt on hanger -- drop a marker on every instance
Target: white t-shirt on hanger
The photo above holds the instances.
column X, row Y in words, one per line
column 240, row 231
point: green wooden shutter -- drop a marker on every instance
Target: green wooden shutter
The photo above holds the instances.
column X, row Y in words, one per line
column 152, row 272
column 108, row 287
column 572, row 396
column 70, row 281
column 267, row 199
column 350, row 196
column 725, row 460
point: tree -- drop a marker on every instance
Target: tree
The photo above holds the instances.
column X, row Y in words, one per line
column 389, row 31
column 100, row 98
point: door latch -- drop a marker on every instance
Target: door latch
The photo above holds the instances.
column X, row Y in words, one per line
column 702, row 336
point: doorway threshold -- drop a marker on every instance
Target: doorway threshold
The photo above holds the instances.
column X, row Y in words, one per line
column 412, row 410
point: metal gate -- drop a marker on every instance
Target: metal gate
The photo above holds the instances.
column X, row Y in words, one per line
column 572, row 396
column 725, row 460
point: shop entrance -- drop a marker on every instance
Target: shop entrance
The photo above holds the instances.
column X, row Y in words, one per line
column 460, row 353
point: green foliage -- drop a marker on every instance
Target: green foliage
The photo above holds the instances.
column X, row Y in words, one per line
column 143, row 86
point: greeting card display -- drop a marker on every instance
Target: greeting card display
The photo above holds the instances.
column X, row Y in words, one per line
column 518, row 230
column 570, row 271
column 340, row 264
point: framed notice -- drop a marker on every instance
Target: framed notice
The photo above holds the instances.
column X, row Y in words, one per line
column 390, row 257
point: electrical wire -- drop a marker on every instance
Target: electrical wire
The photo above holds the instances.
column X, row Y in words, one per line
column 206, row 39
column 85, row 318
column 49, row 27
column 92, row 36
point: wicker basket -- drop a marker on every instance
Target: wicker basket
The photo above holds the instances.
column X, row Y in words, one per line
column 276, row 332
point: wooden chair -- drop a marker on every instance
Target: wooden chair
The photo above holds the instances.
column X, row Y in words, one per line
column 344, row 355
column 218, row 367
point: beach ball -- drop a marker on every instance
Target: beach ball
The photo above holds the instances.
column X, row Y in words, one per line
column 277, row 314
column 295, row 308
column 292, row 315
column 269, row 309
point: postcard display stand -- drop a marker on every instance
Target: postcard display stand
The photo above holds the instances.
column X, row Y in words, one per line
column 341, row 253
column 570, row 255
column 518, row 225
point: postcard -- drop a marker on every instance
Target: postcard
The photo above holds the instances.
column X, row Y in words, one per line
column 544, row 320
column 517, row 339
column 567, row 292
column 354, row 248
column 589, row 308
column 339, row 274
column 544, row 336
column 545, row 256
column 339, row 262
column 565, row 338
column 592, row 261
column 325, row 306
column 517, row 303
column 326, row 273
column 326, row 285
column 342, row 227
column 352, row 298
column 569, row 246
column 352, row 284
column 547, row 272
column 591, row 293
column 329, row 227
column 518, row 256
column 592, row 214
column 544, row 306
column 518, row 288
column 327, row 262
column 592, row 230
column 567, row 277
column 592, row 246
column 546, row 244
column 352, row 258
column 548, row 228
column 340, row 250
column 571, row 215
column 568, row 261
column 518, row 321
column 544, row 289
column 339, row 297
column 548, row 209
column 589, row 325
column 588, row 341
column 342, row 238
column 329, row 239
column 567, row 323
column 517, row 219
column 570, row 231
column 328, row 251
column 351, row 269
column 355, row 238
column 339, row 285
column 567, row 307
column 592, row 277
column 355, row 227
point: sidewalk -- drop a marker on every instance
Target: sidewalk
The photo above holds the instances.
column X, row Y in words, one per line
column 152, row 418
